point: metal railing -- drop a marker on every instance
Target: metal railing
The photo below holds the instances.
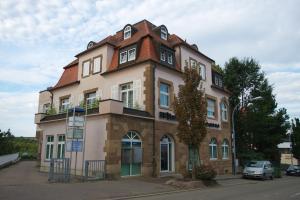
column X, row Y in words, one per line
column 60, row 170
column 94, row 169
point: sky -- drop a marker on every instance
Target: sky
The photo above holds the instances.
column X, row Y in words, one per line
column 38, row 38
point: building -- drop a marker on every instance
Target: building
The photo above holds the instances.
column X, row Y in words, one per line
column 134, row 74
column 286, row 156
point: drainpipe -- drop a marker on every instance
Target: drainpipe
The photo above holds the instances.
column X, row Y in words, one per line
column 49, row 90
column 153, row 136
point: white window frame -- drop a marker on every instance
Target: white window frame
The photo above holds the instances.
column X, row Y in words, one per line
column 61, row 152
column 134, row 54
column 163, row 33
column 97, row 70
column 202, row 72
column 86, row 65
column 64, row 104
column 170, row 58
column 163, row 55
column 127, row 91
column 213, row 147
column 125, row 57
column 127, row 32
column 224, row 111
column 213, row 110
column 163, row 93
column 90, row 100
column 51, row 146
column 225, row 148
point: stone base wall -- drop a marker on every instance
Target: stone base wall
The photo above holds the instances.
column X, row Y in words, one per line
column 118, row 126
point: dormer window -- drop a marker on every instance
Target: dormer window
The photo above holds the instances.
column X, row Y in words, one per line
column 128, row 54
column 127, row 32
column 163, row 33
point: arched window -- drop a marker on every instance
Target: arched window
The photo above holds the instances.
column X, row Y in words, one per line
column 131, row 155
column 224, row 112
column 163, row 33
column 225, row 149
column 213, row 149
column 127, row 32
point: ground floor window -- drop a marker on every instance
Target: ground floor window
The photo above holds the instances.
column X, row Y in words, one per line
column 225, row 149
column 131, row 155
column 61, row 147
column 49, row 146
column 166, row 154
column 213, row 149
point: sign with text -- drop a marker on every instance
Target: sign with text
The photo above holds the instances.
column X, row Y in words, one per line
column 74, row 146
column 76, row 121
column 75, row 133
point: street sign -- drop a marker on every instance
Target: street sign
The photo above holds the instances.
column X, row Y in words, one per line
column 76, row 121
column 74, row 146
column 75, row 133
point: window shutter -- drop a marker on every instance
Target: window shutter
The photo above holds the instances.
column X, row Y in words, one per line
column 114, row 92
column 136, row 92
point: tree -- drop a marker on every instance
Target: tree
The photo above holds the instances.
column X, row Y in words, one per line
column 295, row 137
column 260, row 127
column 190, row 111
column 6, row 145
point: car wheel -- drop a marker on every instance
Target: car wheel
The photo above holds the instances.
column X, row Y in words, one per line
column 272, row 177
column 263, row 177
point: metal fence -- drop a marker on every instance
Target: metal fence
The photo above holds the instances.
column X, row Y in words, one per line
column 94, row 169
column 60, row 170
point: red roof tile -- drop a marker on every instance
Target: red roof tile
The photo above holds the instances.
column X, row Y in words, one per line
column 68, row 77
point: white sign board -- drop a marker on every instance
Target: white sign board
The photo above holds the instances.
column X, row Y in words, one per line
column 76, row 121
column 75, row 133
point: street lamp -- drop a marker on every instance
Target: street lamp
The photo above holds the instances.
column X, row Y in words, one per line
column 233, row 131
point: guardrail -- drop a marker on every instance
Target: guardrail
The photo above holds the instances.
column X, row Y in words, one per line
column 6, row 160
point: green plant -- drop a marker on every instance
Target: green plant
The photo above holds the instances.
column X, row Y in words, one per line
column 205, row 172
column 51, row 111
column 137, row 106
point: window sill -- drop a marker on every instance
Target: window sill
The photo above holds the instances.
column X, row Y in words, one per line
column 214, row 118
column 225, row 159
column 164, row 107
column 213, row 159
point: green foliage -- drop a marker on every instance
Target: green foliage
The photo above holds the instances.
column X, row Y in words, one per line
column 190, row 111
column 51, row 111
column 277, row 172
column 95, row 104
column 295, row 137
column 10, row 144
column 137, row 106
column 205, row 172
column 260, row 127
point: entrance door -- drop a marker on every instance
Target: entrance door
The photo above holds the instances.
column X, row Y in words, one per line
column 166, row 154
column 131, row 155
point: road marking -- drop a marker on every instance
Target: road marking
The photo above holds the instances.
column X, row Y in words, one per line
column 294, row 195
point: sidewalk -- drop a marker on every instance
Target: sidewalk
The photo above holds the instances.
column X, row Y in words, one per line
column 227, row 177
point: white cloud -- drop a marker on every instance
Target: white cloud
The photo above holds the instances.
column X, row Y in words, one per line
column 37, row 38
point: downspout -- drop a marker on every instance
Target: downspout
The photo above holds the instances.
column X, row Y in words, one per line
column 49, row 90
column 153, row 136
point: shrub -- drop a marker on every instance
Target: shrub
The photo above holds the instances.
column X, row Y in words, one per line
column 205, row 172
column 277, row 172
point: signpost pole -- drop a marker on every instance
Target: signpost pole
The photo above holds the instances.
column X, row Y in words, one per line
column 84, row 132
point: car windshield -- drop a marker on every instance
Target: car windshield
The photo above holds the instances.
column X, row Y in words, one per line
column 255, row 164
column 294, row 167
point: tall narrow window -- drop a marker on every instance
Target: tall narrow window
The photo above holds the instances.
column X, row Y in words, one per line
column 61, row 147
column 164, row 95
column 123, row 57
column 224, row 112
column 127, row 95
column 170, row 58
column 163, row 33
column 163, row 55
column 64, row 104
column 202, row 72
column 211, row 108
column 49, row 147
column 127, row 32
column 131, row 54
column 85, row 68
column 97, row 64
column 213, row 149
column 90, row 98
column 225, row 149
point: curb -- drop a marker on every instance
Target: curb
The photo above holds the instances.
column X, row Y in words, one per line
column 153, row 194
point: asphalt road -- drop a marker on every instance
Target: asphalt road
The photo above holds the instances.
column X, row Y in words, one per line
column 286, row 188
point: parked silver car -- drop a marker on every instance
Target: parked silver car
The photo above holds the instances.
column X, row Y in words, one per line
column 259, row 169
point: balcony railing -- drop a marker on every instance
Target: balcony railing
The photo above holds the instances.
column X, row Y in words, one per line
column 104, row 107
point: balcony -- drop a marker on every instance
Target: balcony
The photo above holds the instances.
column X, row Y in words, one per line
column 108, row 106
